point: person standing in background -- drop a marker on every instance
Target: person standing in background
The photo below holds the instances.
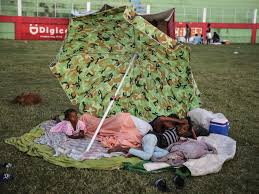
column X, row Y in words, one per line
column 187, row 33
column 208, row 34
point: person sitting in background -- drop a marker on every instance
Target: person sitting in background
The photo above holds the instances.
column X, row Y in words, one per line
column 215, row 38
column 197, row 39
column 71, row 126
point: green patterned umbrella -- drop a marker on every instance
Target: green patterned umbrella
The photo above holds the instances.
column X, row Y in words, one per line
column 97, row 52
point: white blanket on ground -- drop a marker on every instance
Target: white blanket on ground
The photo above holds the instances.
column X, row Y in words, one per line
column 210, row 163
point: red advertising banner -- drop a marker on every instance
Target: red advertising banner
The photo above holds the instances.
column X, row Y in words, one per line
column 39, row 31
column 38, row 28
column 30, row 28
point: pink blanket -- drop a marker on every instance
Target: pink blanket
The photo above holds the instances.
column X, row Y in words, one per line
column 116, row 130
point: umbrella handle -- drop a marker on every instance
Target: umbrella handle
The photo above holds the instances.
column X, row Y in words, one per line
column 111, row 103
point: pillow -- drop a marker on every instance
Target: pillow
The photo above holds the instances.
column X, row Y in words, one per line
column 141, row 125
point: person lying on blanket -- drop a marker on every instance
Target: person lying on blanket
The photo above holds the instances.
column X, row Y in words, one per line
column 162, row 136
column 71, row 126
column 162, row 123
column 172, row 120
column 122, row 129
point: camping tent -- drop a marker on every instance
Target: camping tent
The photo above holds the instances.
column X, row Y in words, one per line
column 96, row 54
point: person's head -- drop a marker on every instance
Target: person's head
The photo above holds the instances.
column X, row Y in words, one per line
column 187, row 25
column 208, row 25
column 196, row 34
column 160, row 126
column 71, row 115
column 185, row 130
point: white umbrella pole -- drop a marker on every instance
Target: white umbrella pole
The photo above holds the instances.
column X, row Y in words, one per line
column 111, row 103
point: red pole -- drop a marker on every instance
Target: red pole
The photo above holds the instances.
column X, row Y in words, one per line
column 253, row 38
column 18, row 28
column 204, row 27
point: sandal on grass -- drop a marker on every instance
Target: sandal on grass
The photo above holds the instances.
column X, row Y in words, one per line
column 7, row 165
column 5, row 177
column 179, row 182
column 161, row 185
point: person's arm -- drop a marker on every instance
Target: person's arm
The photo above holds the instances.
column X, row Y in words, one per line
column 172, row 119
column 163, row 123
column 77, row 136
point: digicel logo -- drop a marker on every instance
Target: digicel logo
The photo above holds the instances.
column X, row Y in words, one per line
column 35, row 29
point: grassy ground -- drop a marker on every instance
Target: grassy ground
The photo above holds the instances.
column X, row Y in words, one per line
column 228, row 83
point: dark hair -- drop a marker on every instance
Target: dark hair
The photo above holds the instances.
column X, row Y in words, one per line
column 68, row 112
column 152, row 123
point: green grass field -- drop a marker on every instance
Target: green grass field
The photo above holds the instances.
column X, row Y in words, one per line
column 228, row 83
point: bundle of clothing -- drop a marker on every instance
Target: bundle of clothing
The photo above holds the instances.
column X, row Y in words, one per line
column 185, row 149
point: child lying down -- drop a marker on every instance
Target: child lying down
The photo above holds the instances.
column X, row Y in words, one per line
column 167, row 132
column 121, row 129
column 71, row 126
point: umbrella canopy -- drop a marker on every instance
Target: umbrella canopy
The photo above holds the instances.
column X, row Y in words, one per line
column 97, row 52
column 164, row 21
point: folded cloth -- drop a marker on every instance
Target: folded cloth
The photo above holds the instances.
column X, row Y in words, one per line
column 183, row 150
column 150, row 166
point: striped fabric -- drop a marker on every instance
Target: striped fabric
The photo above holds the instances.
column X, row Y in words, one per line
column 171, row 136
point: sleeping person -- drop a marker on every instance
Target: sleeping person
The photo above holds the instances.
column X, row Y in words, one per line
column 167, row 131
